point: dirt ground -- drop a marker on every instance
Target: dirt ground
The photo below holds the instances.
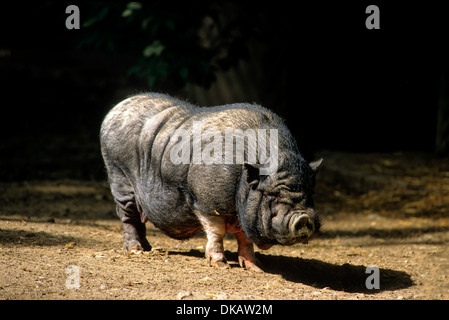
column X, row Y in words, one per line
column 398, row 223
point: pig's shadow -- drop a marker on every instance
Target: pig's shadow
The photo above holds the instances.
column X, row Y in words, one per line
column 319, row 274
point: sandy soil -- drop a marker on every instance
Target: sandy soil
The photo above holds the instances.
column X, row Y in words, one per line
column 399, row 224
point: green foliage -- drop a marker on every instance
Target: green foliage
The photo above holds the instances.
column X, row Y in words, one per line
column 171, row 42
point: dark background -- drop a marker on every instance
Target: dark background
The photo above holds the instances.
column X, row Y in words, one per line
column 338, row 85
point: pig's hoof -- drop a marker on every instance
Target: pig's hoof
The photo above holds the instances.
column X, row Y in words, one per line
column 146, row 245
column 249, row 265
column 253, row 267
column 219, row 263
column 138, row 248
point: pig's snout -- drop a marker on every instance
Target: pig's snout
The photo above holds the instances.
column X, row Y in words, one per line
column 302, row 227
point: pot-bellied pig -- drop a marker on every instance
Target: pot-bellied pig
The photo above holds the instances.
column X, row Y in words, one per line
column 233, row 168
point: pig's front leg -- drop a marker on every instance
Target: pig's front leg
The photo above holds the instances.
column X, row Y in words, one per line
column 247, row 258
column 215, row 228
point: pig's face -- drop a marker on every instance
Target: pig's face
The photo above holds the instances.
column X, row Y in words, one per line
column 278, row 209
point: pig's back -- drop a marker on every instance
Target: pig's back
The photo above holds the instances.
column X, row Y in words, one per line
column 128, row 117
column 132, row 122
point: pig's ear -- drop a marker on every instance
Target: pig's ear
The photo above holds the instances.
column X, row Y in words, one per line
column 315, row 164
column 252, row 174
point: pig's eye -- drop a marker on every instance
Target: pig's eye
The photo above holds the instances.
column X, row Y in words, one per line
column 295, row 188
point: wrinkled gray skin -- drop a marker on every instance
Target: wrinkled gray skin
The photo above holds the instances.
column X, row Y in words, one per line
column 183, row 199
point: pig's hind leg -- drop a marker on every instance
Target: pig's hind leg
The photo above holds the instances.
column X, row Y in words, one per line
column 133, row 220
column 215, row 228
